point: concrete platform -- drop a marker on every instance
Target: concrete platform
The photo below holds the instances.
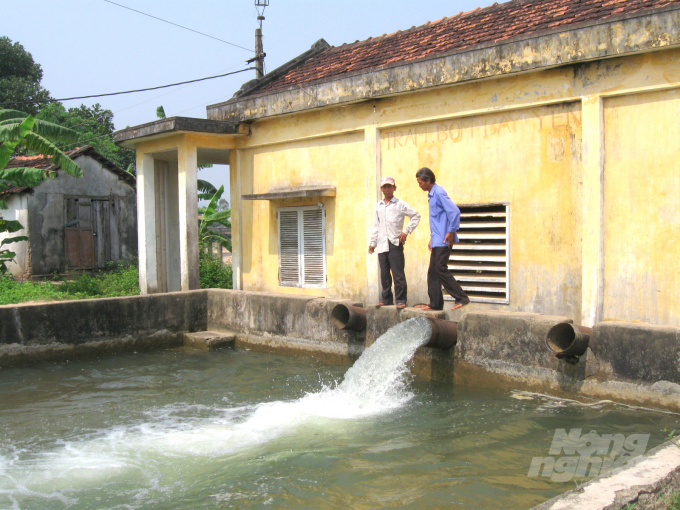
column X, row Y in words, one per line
column 209, row 340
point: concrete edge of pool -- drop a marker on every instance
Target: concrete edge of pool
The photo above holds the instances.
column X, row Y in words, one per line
column 632, row 363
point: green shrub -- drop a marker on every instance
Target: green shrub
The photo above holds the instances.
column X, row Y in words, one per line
column 675, row 502
column 212, row 273
column 119, row 279
column 12, row 292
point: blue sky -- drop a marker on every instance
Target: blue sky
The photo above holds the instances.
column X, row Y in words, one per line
column 92, row 47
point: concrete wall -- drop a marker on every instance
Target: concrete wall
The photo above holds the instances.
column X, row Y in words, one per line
column 46, row 215
column 626, row 362
column 585, row 156
column 17, row 210
column 338, row 161
column 73, row 322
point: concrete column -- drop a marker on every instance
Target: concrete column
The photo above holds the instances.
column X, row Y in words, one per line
column 592, row 200
column 236, row 230
column 146, row 224
column 188, row 216
column 373, row 176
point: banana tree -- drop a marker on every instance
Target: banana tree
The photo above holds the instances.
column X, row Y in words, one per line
column 19, row 129
column 211, row 218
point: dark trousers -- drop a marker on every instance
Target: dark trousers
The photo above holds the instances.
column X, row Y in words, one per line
column 438, row 276
column 393, row 261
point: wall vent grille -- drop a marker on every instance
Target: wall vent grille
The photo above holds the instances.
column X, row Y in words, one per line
column 480, row 260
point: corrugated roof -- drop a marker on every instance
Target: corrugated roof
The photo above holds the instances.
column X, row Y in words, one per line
column 491, row 24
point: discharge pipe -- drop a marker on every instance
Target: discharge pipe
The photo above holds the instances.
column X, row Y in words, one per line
column 353, row 318
column 444, row 334
column 568, row 341
column 348, row 317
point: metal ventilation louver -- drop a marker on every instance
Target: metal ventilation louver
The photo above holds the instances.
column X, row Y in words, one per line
column 480, row 260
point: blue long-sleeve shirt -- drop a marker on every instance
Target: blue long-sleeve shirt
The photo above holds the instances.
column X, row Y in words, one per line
column 444, row 216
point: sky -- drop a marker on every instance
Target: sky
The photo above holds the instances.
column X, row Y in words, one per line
column 93, row 47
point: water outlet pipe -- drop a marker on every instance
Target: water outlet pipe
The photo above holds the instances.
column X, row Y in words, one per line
column 444, row 334
column 348, row 317
column 568, row 341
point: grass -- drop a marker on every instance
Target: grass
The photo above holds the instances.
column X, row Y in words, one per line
column 118, row 280
column 121, row 279
column 675, row 502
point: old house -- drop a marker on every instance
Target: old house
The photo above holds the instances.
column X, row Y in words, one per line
column 73, row 224
column 553, row 124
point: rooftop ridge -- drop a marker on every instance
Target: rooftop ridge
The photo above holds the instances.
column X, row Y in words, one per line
column 482, row 26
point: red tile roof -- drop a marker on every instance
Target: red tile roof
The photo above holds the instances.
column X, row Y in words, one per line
column 45, row 162
column 481, row 26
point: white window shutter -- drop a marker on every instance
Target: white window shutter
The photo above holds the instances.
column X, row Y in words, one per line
column 302, row 247
column 314, row 244
column 289, row 248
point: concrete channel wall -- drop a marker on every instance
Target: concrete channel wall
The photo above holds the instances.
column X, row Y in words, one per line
column 632, row 362
column 628, row 362
column 37, row 332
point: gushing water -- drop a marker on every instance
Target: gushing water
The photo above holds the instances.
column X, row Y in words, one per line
column 376, row 384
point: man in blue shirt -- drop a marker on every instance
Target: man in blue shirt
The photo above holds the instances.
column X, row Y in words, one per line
column 444, row 222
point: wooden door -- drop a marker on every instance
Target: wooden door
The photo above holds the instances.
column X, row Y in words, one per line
column 101, row 224
column 79, row 233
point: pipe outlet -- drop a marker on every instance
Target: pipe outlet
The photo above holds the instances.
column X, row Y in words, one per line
column 568, row 341
column 348, row 317
column 444, row 334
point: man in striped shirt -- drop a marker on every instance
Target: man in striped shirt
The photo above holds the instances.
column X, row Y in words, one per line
column 388, row 237
column 444, row 222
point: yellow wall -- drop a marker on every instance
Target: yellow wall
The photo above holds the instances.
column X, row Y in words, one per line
column 642, row 208
column 336, row 161
column 522, row 140
column 528, row 159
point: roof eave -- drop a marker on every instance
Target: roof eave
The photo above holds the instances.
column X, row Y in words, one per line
column 653, row 30
column 162, row 128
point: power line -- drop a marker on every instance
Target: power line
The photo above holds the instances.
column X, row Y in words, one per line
column 180, row 26
column 129, row 91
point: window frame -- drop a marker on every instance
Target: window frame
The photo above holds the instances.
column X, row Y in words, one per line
column 301, row 247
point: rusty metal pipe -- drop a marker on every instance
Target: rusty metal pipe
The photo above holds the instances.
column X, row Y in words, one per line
column 348, row 317
column 444, row 334
column 568, row 341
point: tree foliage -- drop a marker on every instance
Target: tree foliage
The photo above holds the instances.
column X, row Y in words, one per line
column 94, row 126
column 214, row 218
column 20, row 78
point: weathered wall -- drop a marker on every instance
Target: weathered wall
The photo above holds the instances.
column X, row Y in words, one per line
column 73, row 322
column 335, row 161
column 536, row 141
column 642, row 207
column 283, row 323
column 17, row 210
column 46, row 215
column 529, row 159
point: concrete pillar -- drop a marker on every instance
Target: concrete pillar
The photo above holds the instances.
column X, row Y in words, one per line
column 592, row 199
column 188, row 216
column 373, row 176
column 146, row 224
column 236, row 215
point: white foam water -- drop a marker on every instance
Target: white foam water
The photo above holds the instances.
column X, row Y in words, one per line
column 376, row 384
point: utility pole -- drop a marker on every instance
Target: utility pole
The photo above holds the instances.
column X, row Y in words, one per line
column 260, row 5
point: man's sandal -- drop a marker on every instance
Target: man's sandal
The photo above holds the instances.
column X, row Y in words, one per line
column 401, row 305
column 378, row 305
column 459, row 305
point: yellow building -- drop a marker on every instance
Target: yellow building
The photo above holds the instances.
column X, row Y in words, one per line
column 553, row 124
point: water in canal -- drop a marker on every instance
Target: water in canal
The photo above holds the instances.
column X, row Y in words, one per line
column 183, row 429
